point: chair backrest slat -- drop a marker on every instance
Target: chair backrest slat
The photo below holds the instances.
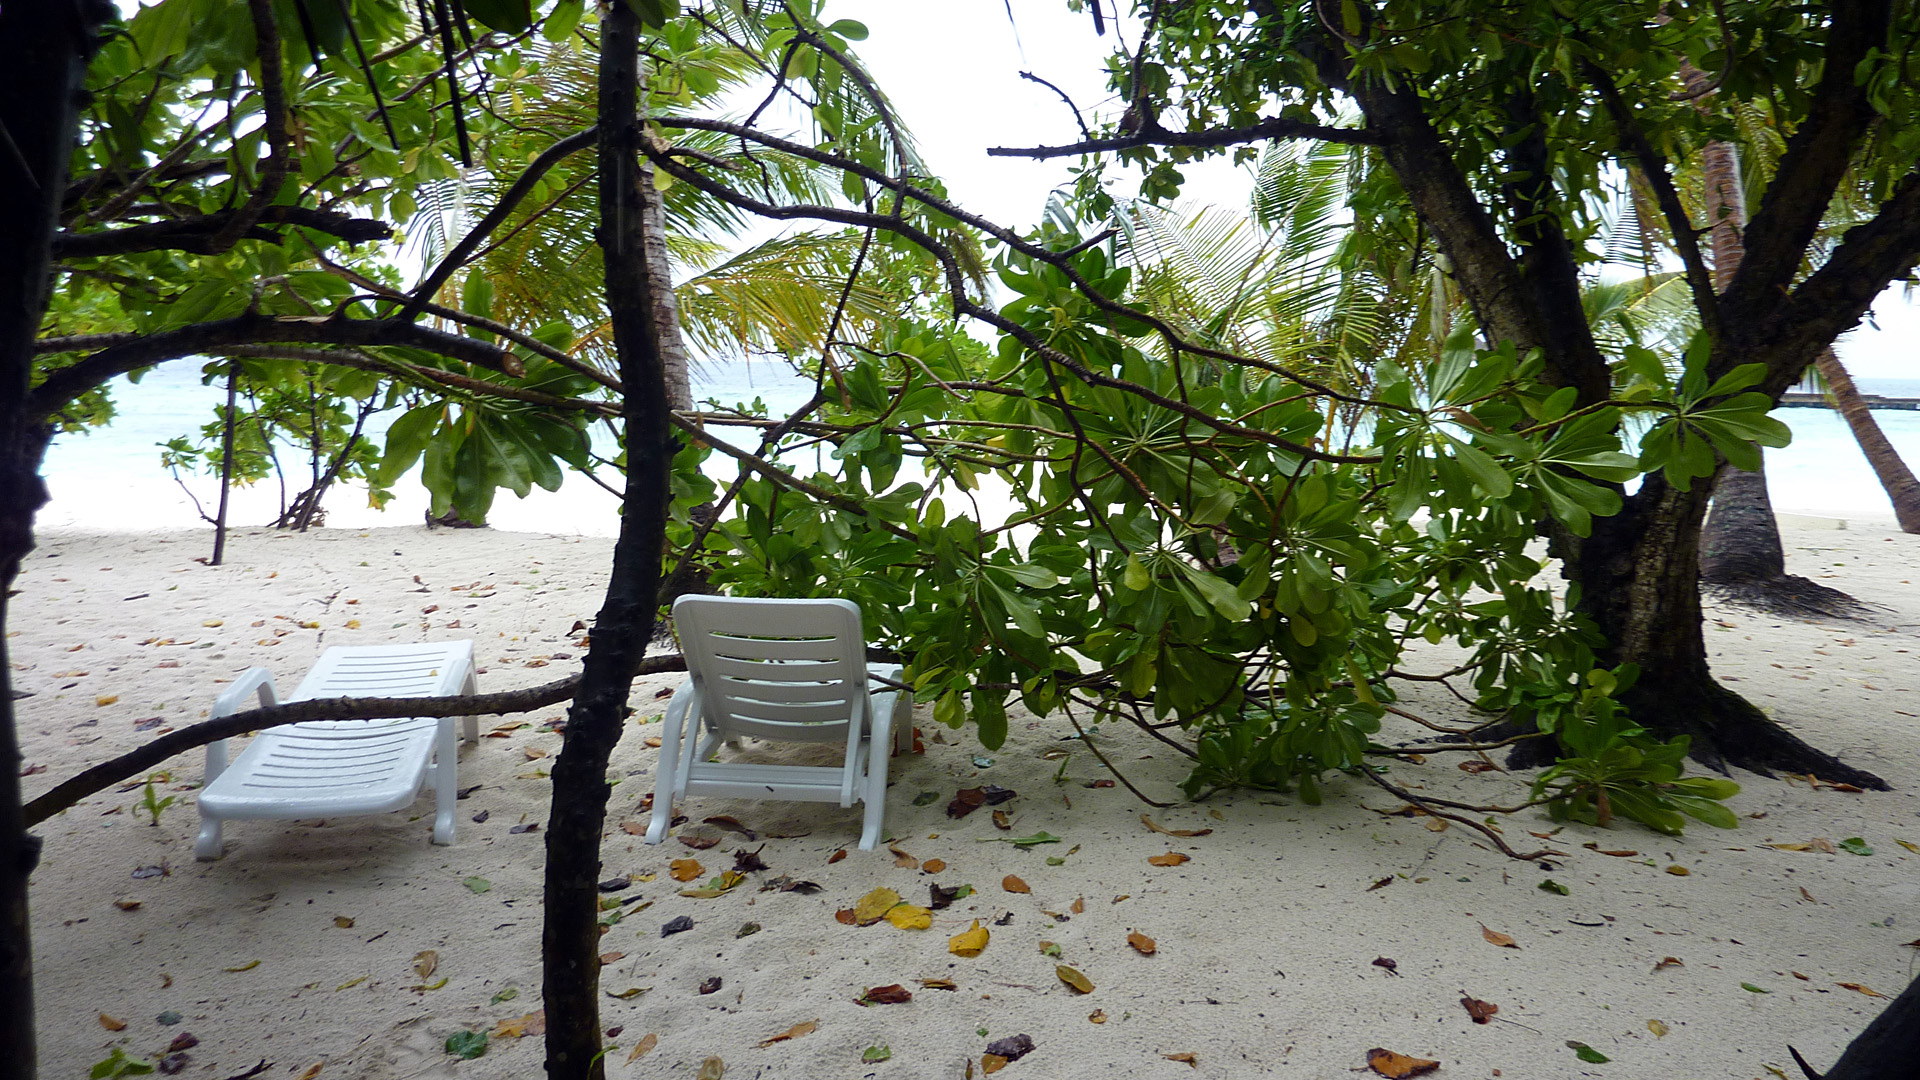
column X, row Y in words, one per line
column 775, row 669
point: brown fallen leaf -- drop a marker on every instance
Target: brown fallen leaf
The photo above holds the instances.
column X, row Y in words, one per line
column 1014, row 885
column 892, row 994
column 1164, row 831
column 127, row 905
column 1678, row 871
column 1381, row 884
column 1667, row 962
column 652, row 741
column 1171, row 858
column 699, row 843
column 1591, row 846
column 1860, row 989
column 634, row 828
column 640, row 1048
column 307, row 1073
column 1480, row 1011
column 1495, row 937
column 533, row 753
column 1802, row 978
column 1079, row 905
column 989, row 1064
column 1437, row 824
column 1002, row 821
column 1478, row 766
column 933, row 866
column 732, row 825
column 1192, row 1062
column 836, row 856
column 805, row 1027
column 846, row 917
column 685, row 869
column 112, row 1023
column 1807, row 896
column 966, row 801
column 1141, row 943
column 938, row 984
column 902, row 859
column 1075, row 978
column 710, row 985
column 1097, row 1016
column 1823, row 845
column 611, row 958
column 343, row 922
column 1387, row 964
column 425, row 961
column 534, row 1023
column 1398, row 1066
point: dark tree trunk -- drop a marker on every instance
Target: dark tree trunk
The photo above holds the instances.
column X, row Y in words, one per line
column 1901, row 487
column 1639, row 578
column 44, row 47
column 1741, row 540
column 570, row 942
column 1888, row 1048
column 230, row 420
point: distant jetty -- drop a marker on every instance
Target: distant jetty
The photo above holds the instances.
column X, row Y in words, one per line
column 1797, row 400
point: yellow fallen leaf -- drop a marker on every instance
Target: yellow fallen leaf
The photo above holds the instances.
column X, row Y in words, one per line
column 1191, row 1061
column 933, row 866
column 533, row 753
column 350, row 984
column 909, row 917
column 248, row 966
column 1497, row 938
column 1079, row 905
column 640, row 1048
column 211, row 622
column 1678, row 871
column 1074, row 977
column 1171, row 858
column 311, row 1071
column 353, row 624
column 106, row 699
column 653, row 741
column 1435, row 824
column 1859, row 989
column 1014, row 885
column 989, row 1064
column 685, row 869
column 1659, row 1029
column 1097, row 1016
column 308, row 624
column 1141, row 943
column 874, row 906
column 1909, row 845
column 805, row 1027
column 969, row 942
column 1398, row 1066
column 425, row 961
column 1792, row 847
column 112, row 1023
column 1164, row 831
column 343, row 922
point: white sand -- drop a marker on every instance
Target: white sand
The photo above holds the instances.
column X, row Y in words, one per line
column 1266, row 938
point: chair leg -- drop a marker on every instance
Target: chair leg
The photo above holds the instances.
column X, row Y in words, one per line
column 208, row 846
column 446, row 780
column 874, row 790
column 666, row 780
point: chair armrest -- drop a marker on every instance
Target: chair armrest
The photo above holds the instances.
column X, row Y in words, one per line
column 256, row 681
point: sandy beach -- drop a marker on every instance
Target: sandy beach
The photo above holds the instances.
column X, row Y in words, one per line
column 304, row 945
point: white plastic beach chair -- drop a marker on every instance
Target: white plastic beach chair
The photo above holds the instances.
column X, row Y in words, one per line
column 792, row 670
column 339, row 768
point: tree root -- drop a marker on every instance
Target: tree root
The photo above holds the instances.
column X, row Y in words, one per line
column 1790, row 596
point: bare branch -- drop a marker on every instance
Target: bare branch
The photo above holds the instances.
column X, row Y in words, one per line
column 203, row 235
column 1152, row 134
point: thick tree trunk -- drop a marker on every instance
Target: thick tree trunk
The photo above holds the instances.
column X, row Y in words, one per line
column 1889, row 1047
column 570, row 942
column 44, row 49
column 666, row 308
column 1898, row 480
column 1639, row 578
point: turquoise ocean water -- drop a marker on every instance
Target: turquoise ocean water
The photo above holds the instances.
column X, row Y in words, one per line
column 111, row 479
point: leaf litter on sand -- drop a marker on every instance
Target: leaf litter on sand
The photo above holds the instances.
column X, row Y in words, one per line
column 1397, row 1066
column 1164, row 831
column 1480, row 1011
column 969, row 942
column 805, row 1027
column 1495, row 937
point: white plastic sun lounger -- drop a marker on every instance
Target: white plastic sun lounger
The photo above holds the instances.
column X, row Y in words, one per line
column 791, row 670
column 340, row 768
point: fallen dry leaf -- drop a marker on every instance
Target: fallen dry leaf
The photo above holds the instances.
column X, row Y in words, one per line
column 1807, row 896
column 112, row 1023
column 534, row 1023
column 1824, row 845
column 893, row 994
column 1860, row 989
column 845, row 916
column 425, row 961
column 343, row 922
column 1191, row 1061
column 836, row 856
column 1381, row 884
column 640, row 1048
column 1002, row 821
column 1667, row 962
column 805, row 1027
column 699, row 843
column 1075, row 978
column 1481, row 1011
column 307, row 1073
column 1079, row 905
column 1097, row 1016
column 1478, row 766
column 1397, row 1066
column 1141, row 943
column 1497, row 938
column 1659, row 1029
column 966, row 801
column 1616, row 853
column 933, row 866
column 1387, row 964
column 969, row 942
column 533, row 753
column 989, row 1064
column 874, row 906
column 634, row 828
column 685, row 869
column 1171, row 858
column 910, row 917
column 1014, row 885
column 1678, row 871
column 127, row 905
column 1435, row 824
column 902, row 859
column 939, row 984
column 1164, row 831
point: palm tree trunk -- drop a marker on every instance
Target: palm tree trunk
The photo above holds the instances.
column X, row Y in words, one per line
column 666, row 310
column 1898, row 480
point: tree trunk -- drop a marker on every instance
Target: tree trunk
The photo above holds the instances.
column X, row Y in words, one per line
column 570, row 941
column 1639, row 578
column 229, row 420
column 1741, row 540
column 666, row 308
column 44, row 48
column 1901, row 487
column 1889, row 1046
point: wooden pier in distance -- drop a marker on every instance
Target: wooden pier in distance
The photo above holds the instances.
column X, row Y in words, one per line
column 1795, row 400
